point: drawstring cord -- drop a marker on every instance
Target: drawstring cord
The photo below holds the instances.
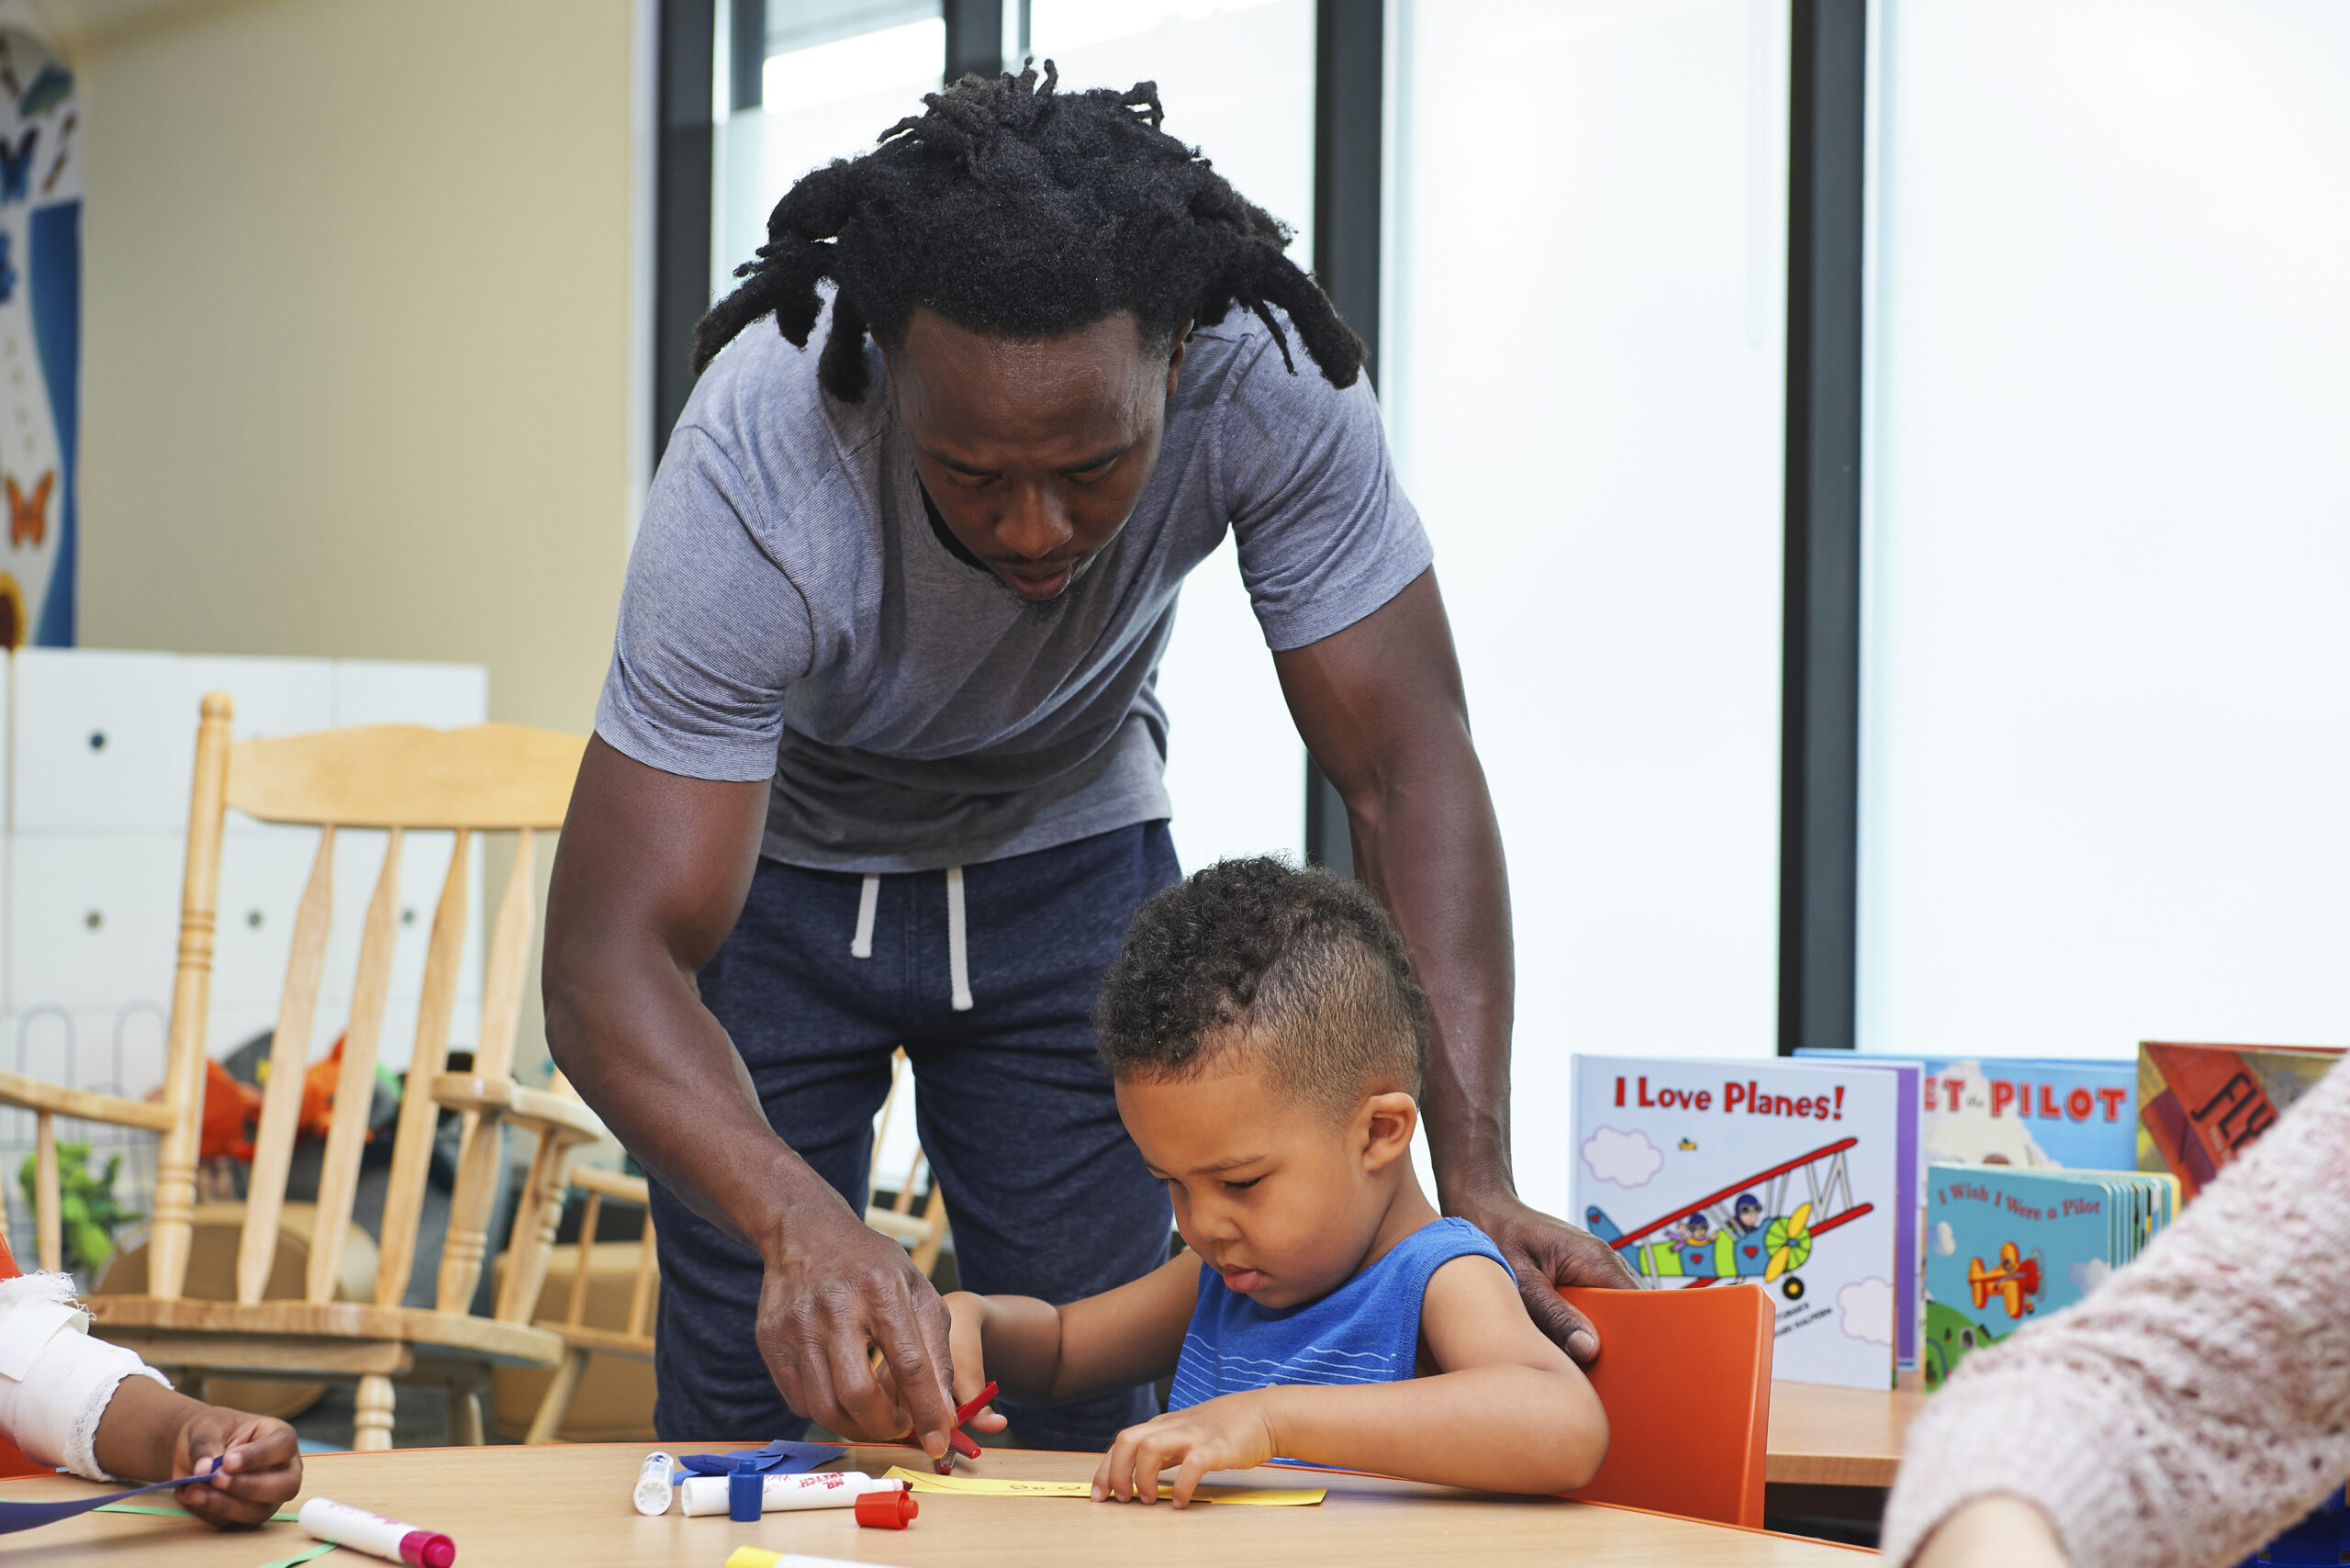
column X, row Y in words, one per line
column 958, row 957
column 868, row 899
column 958, row 962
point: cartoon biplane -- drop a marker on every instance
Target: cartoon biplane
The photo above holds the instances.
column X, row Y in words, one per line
column 1746, row 1230
column 2015, row 1282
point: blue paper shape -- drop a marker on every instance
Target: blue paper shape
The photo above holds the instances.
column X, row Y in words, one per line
column 778, row 1458
column 15, row 1517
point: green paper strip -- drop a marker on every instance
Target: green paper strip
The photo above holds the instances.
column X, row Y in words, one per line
column 320, row 1550
column 168, row 1513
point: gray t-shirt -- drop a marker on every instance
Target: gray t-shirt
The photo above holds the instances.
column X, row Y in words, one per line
column 792, row 614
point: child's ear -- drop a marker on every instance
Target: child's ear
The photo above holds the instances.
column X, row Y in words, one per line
column 1388, row 1120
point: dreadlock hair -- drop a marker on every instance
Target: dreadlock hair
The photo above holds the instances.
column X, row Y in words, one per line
column 1293, row 971
column 1016, row 210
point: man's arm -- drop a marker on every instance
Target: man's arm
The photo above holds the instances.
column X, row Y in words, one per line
column 1380, row 709
column 649, row 875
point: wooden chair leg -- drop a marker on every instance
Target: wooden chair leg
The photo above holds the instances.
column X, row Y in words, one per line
column 557, row 1403
column 464, row 1416
column 372, row 1428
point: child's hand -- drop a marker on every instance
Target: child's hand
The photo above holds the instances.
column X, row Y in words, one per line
column 966, row 1347
column 255, row 1464
column 1233, row 1432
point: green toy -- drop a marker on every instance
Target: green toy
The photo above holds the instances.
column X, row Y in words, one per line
column 86, row 1210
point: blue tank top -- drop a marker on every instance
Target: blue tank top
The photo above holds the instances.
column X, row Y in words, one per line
column 1367, row 1331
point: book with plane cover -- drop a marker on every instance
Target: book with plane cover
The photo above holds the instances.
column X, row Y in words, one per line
column 2006, row 1246
column 1795, row 1177
column 2079, row 1114
column 2201, row 1106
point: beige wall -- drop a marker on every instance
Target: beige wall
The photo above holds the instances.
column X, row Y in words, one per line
column 357, row 334
column 356, row 344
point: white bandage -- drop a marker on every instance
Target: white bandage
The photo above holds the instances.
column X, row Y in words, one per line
column 55, row 1380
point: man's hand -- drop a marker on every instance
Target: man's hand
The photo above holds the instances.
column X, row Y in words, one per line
column 1548, row 1255
column 1232, row 1432
column 834, row 1290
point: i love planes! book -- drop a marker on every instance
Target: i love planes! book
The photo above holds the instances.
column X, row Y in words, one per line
column 2006, row 1246
column 1786, row 1176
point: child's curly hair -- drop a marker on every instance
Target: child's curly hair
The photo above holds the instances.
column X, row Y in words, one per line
column 1302, row 970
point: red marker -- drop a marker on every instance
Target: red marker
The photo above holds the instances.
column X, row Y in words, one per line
column 959, row 1440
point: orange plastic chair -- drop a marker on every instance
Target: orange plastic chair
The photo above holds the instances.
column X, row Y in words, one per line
column 1685, row 1378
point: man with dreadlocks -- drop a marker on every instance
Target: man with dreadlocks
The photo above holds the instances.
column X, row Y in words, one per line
column 877, row 762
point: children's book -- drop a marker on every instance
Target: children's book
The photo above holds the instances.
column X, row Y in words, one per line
column 2006, row 1245
column 2028, row 1111
column 1795, row 1177
column 2201, row 1106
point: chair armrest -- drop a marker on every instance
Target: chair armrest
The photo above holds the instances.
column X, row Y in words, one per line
column 32, row 1094
column 553, row 1115
column 611, row 1184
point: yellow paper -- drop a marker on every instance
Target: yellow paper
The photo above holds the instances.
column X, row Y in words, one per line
column 974, row 1486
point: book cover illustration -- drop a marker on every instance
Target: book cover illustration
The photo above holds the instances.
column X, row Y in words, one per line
column 1784, row 1176
column 2199, row 1106
column 2006, row 1246
column 2027, row 1110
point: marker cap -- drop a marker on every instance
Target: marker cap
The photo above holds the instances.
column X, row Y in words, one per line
column 427, row 1549
column 887, row 1510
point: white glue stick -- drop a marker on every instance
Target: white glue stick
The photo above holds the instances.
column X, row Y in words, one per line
column 653, row 1488
column 363, row 1531
column 703, row 1494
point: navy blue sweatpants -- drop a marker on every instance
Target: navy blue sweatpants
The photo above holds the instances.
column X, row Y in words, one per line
column 1047, row 1193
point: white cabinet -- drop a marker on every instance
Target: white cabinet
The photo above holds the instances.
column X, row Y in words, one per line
column 96, row 736
column 93, row 918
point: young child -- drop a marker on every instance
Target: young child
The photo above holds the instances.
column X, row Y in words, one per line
column 1268, row 1041
column 100, row 1411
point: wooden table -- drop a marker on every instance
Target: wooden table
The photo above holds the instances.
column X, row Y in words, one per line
column 1838, row 1436
column 568, row 1508
column 1832, row 1452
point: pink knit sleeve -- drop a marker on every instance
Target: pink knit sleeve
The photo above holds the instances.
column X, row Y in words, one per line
column 2193, row 1407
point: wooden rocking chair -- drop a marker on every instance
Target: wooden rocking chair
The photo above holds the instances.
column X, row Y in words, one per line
column 492, row 778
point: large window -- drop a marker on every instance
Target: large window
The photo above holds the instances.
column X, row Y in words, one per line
column 1237, row 79
column 1583, row 373
column 2107, row 721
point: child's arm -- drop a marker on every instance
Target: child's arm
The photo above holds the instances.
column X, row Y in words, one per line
column 1505, row 1412
column 1040, row 1354
column 150, row 1433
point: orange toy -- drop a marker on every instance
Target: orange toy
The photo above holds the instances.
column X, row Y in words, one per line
column 230, row 1110
column 1685, row 1378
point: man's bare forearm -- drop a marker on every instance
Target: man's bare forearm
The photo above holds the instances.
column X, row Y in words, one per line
column 666, row 1079
column 1427, row 846
column 649, row 875
column 1381, row 708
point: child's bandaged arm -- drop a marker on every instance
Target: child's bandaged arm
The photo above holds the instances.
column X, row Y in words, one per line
column 55, row 1380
